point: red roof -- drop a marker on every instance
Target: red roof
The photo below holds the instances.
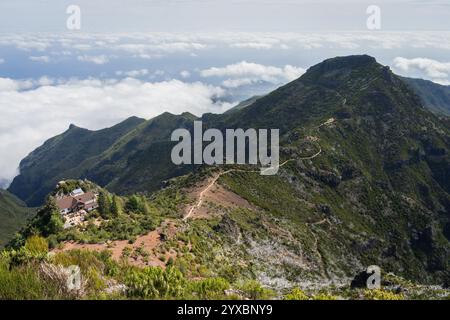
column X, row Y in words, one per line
column 69, row 202
column 85, row 197
column 66, row 203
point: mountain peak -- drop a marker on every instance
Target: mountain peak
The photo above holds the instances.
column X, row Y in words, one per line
column 74, row 129
column 347, row 62
column 134, row 118
column 344, row 64
column 189, row 115
column 340, row 70
column 351, row 60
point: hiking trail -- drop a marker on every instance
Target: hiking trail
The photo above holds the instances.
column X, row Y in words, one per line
column 199, row 202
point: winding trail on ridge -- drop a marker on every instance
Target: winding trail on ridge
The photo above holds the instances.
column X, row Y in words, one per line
column 199, row 202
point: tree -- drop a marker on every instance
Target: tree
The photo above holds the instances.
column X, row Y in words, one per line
column 51, row 221
column 116, row 207
column 104, row 205
column 133, row 204
column 143, row 205
column 55, row 223
column 46, row 222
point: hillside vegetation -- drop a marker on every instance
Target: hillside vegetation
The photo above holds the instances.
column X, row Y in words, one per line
column 365, row 181
column 436, row 97
column 13, row 215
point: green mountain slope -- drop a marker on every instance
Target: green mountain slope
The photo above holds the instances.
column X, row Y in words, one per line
column 13, row 216
column 64, row 156
column 140, row 160
column 436, row 97
column 381, row 183
column 243, row 104
column 378, row 192
column 132, row 156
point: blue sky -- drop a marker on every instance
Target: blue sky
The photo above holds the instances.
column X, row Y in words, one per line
column 149, row 57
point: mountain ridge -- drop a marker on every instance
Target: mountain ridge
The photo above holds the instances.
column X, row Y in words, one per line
column 255, row 113
column 63, row 151
column 378, row 193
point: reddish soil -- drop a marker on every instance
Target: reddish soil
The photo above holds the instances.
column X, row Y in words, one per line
column 211, row 192
column 150, row 243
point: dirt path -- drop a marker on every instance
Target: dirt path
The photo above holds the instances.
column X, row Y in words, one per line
column 202, row 193
column 149, row 242
column 199, row 202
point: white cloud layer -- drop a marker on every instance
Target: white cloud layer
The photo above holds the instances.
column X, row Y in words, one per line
column 101, row 59
column 185, row 74
column 44, row 59
column 432, row 69
column 32, row 112
column 245, row 73
column 133, row 73
column 153, row 45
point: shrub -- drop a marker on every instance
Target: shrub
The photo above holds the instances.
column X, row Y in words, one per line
column 126, row 252
column 212, row 288
column 36, row 245
column 155, row 283
column 95, row 267
column 170, row 262
column 24, row 283
column 379, row 294
column 255, row 291
column 22, row 257
column 324, row 296
column 296, row 294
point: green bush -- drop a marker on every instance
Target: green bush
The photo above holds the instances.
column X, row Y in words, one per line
column 212, row 288
column 255, row 291
column 155, row 283
column 36, row 245
column 22, row 282
column 324, row 296
column 296, row 294
column 379, row 294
